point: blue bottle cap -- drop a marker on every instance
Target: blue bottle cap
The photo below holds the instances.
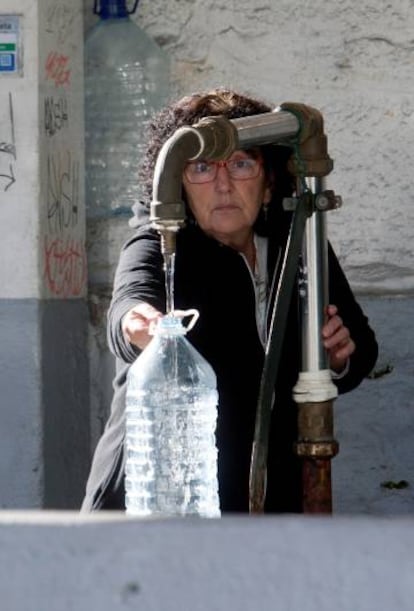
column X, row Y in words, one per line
column 113, row 9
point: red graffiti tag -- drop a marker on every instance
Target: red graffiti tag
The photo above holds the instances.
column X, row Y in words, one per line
column 57, row 68
column 65, row 266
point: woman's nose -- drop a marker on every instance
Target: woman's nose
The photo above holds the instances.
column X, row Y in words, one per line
column 223, row 180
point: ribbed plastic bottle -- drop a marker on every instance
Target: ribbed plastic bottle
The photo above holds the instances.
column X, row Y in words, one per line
column 171, row 417
column 126, row 80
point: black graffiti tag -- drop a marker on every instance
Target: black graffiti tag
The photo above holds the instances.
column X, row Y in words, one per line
column 62, row 191
column 56, row 114
column 8, row 148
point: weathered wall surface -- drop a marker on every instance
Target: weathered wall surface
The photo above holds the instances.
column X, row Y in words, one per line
column 353, row 62
column 44, row 437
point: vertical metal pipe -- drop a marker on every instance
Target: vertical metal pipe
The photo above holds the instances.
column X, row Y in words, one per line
column 314, row 285
column 315, row 391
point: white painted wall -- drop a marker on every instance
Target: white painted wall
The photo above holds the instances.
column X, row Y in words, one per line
column 19, row 215
column 41, row 108
column 44, row 437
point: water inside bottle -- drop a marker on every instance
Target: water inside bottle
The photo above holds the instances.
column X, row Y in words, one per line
column 171, row 417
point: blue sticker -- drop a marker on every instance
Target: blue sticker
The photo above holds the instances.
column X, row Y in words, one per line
column 10, row 44
column 7, row 62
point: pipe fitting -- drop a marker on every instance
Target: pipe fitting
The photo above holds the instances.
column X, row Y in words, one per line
column 327, row 200
column 219, row 137
column 311, row 158
column 168, row 239
column 314, row 387
column 309, row 449
column 315, row 431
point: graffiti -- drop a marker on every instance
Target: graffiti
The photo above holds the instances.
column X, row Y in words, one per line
column 62, row 191
column 7, row 150
column 56, row 114
column 6, row 27
column 57, row 68
column 65, row 266
column 60, row 21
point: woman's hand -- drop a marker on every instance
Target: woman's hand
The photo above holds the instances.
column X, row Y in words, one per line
column 136, row 324
column 337, row 340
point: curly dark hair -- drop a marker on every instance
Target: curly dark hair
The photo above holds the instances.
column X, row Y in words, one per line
column 190, row 109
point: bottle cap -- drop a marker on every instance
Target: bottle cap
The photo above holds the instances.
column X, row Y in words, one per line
column 107, row 9
column 172, row 324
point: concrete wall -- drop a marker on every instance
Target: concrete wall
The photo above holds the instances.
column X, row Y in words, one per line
column 65, row 563
column 44, row 437
column 354, row 63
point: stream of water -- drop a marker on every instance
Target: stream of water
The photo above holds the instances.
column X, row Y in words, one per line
column 169, row 268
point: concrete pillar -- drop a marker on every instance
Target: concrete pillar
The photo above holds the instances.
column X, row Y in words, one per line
column 44, row 437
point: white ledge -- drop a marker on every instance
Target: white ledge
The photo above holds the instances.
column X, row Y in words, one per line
column 64, row 560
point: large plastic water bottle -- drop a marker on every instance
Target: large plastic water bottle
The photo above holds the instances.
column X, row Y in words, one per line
column 126, row 80
column 171, row 416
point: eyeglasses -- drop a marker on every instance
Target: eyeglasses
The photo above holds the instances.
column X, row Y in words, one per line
column 239, row 168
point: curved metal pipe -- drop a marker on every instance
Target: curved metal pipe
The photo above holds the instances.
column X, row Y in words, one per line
column 215, row 139
column 167, row 206
column 211, row 138
column 268, row 128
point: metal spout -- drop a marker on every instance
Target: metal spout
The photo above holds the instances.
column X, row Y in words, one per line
column 210, row 140
column 168, row 239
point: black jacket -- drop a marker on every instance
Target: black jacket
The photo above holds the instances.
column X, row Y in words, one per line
column 215, row 279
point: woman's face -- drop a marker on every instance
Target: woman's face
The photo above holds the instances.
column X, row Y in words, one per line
column 227, row 206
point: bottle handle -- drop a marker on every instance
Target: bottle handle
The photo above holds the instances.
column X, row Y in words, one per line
column 195, row 315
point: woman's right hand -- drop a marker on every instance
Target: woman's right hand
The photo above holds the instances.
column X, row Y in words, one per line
column 136, row 324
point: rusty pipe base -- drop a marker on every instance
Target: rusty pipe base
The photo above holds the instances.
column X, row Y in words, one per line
column 316, row 447
column 317, row 486
column 316, row 475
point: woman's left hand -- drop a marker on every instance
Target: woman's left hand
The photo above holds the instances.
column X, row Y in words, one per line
column 337, row 340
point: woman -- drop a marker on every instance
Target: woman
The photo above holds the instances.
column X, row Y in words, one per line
column 227, row 260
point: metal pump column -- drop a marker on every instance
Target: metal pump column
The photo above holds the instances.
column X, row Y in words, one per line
column 216, row 138
column 314, row 392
